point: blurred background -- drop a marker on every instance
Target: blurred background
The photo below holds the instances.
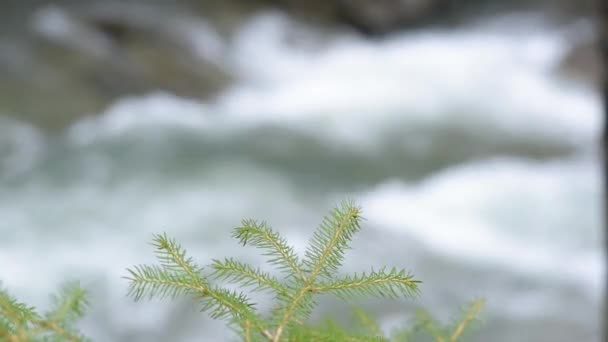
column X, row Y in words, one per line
column 466, row 130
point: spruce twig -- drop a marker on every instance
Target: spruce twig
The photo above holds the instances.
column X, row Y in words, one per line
column 295, row 293
column 176, row 274
column 21, row 323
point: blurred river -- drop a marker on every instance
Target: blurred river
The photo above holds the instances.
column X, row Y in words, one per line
column 475, row 165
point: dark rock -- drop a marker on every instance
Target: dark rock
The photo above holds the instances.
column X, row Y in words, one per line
column 583, row 64
column 382, row 16
column 80, row 58
column 386, row 16
column 369, row 17
column 35, row 88
column 129, row 48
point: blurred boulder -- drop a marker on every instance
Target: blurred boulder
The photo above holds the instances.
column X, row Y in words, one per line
column 386, row 15
column 582, row 63
column 134, row 48
column 370, row 17
column 76, row 59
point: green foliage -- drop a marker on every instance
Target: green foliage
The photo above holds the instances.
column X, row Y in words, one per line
column 425, row 324
column 22, row 323
column 365, row 327
column 294, row 292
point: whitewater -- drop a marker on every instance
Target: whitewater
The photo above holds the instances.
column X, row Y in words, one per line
column 475, row 164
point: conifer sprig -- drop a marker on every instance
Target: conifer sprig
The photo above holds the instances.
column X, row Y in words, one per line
column 15, row 317
column 323, row 257
column 70, row 304
column 234, row 271
column 384, row 284
column 154, row 281
column 177, row 274
column 366, row 322
column 21, row 323
column 295, row 293
column 471, row 314
column 282, row 255
column 425, row 324
column 328, row 244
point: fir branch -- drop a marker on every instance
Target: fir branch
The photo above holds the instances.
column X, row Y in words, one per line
column 6, row 328
column 173, row 258
column 297, row 309
column 179, row 275
column 155, row 281
column 16, row 314
column 223, row 303
column 392, row 284
column 70, row 304
column 61, row 332
column 323, row 257
column 18, row 322
column 237, row 272
column 328, row 244
column 262, row 236
column 329, row 330
column 369, row 324
column 426, row 323
column 471, row 314
column 247, row 330
column 430, row 325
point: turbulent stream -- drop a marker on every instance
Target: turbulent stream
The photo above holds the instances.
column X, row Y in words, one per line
column 474, row 162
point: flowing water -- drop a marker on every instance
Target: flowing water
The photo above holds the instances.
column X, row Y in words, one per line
column 475, row 165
